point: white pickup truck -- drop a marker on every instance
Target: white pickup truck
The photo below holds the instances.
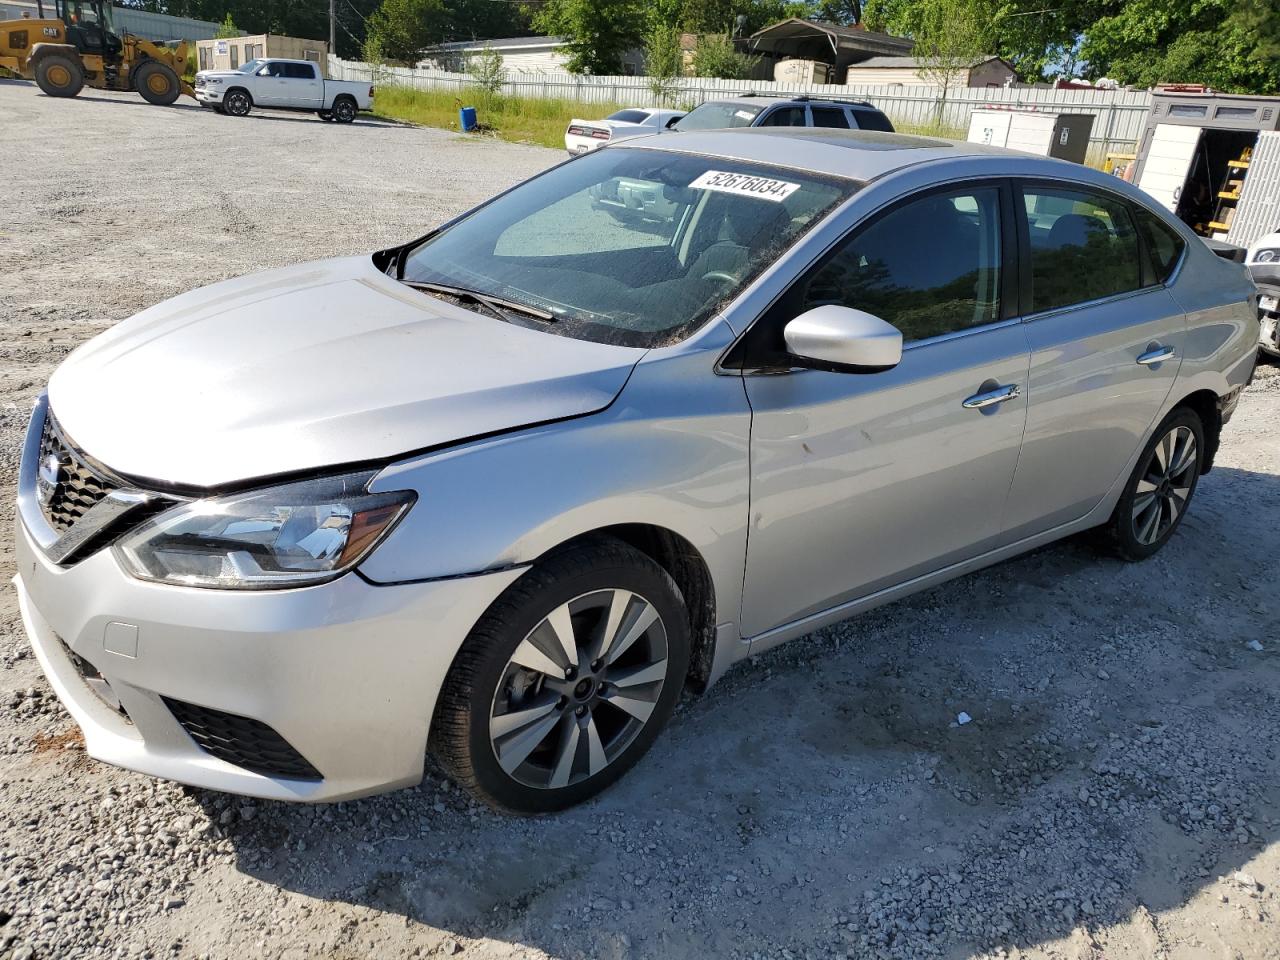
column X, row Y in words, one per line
column 282, row 85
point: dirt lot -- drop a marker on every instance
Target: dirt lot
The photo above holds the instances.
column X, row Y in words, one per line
column 1117, row 793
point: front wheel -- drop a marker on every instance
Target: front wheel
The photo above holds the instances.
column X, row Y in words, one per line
column 157, row 83
column 237, row 103
column 565, row 681
column 1160, row 488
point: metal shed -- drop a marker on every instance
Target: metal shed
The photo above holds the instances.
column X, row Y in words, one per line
column 1203, row 155
column 1062, row 135
column 230, row 54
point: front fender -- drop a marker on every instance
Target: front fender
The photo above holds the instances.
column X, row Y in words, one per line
column 671, row 451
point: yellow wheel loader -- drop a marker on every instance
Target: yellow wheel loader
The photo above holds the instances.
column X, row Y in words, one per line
column 80, row 46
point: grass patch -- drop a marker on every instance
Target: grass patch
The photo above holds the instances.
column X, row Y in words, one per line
column 518, row 119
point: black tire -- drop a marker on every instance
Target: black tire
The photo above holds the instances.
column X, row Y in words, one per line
column 237, row 102
column 59, row 76
column 345, row 109
column 156, row 83
column 325, row 115
column 219, row 108
column 1127, row 532
column 480, row 680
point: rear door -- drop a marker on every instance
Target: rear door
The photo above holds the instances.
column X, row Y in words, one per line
column 1106, row 340
column 1169, row 157
column 303, row 85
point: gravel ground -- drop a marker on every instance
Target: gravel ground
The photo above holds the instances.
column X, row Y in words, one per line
column 1116, row 793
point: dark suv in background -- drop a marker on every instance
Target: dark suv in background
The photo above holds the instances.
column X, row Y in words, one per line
column 754, row 110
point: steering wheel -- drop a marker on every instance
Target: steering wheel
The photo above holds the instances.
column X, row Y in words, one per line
column 721, row 276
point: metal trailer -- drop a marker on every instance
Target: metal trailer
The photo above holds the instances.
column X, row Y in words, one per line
column 1212, row 159
column 1062, row 135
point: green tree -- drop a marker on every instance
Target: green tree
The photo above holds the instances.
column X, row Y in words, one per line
column 404, row 28
column 487, row 71
column 664, row 62
column 228, row 29
column 597, row 32
column 716, row 56
column 1222, row 43
column 949, row 36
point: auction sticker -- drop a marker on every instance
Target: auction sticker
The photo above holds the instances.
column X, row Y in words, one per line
column 746, row 185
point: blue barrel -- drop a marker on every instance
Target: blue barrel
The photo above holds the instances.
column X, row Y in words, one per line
column 467, row 118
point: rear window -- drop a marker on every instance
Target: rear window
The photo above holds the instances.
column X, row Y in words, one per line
column 872, row 120
column 718, row 115
column 629, row 116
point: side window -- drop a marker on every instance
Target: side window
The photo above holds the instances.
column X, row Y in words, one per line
column 1083, row 247
column 929, row 267
column 872, row 120
column 277, row 69
column 784, row 117
column 300, row 71
column 830, row 117
column 1164, row 246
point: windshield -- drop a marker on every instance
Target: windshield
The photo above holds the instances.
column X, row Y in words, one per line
column 250, row 65
column 632, row 247
column 718, row 116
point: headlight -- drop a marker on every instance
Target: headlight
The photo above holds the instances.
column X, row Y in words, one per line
column 214, row 80
column 285, row 536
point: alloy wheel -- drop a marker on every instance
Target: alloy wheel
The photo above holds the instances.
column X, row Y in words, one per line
column 345, row 112
column 1165, row 485
column 237, row 104
column 578, row 689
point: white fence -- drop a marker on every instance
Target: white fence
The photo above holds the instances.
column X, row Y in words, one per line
column 1119, row 114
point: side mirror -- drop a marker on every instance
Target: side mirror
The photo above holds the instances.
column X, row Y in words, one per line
column 843, row 340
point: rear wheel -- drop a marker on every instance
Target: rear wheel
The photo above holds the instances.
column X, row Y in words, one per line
column 59, row 76
column 566, row 680
column 157, row 83
column 1160, row 488
column 344, row 110
column 237, row 103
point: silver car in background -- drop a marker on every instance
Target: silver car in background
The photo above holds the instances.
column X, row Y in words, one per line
column 505, row 491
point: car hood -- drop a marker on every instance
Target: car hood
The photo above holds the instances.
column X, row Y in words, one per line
column 220, row 73
column 310, row 367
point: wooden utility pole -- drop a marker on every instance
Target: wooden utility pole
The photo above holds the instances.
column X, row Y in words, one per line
column 333, row 26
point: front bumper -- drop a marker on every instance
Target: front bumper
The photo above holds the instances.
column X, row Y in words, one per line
column 208, row 94
column 346, row 672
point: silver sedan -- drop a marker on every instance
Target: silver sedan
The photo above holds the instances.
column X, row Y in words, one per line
column 506, row 491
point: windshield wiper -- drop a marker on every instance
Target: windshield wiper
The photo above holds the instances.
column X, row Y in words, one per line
column 495, row 305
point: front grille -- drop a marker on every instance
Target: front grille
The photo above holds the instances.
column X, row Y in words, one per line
column 69, row 487
column 241, row 741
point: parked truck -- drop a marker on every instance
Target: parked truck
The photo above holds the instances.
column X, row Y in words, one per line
column 282, row 85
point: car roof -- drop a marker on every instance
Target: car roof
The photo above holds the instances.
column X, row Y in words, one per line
column 856, row 154
column 765, row 99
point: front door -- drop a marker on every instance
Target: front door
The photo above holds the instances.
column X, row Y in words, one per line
column 1106, row 340
column 863, row 480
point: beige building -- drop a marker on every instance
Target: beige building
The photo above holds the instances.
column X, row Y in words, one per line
column 906, row 72
column 230, row 54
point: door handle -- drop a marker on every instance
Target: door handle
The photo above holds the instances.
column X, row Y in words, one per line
column 1156, row 355
column 991, row 397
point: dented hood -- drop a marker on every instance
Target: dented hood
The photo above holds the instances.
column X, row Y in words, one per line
column 314, row 366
